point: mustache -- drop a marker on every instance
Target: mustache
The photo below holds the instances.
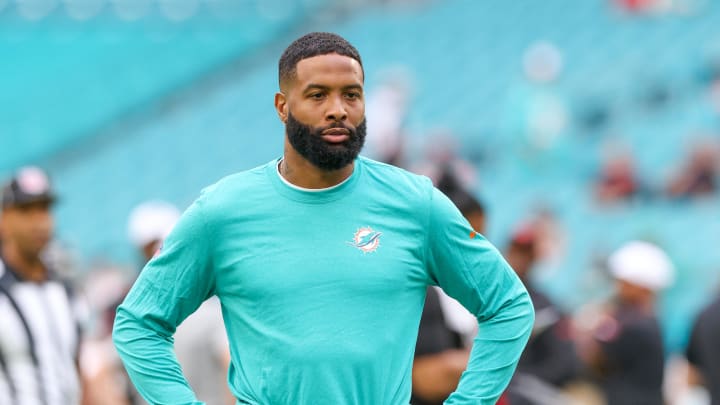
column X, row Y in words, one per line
column 339, row 124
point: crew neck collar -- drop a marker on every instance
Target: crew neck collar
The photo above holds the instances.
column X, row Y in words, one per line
column 312, row 195
column 309, row 190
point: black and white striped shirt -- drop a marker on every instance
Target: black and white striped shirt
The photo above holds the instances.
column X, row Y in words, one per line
column 39, row 339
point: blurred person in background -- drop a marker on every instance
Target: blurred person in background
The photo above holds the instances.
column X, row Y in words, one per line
column 617, row 181
column 634, row 6
column 699, row 176
column 387, row 107
column 321, row 260
column 41, row 316
column 703, row 350
column 549, row 361
column 622, row 344
column 659, row 7
column 148, row 224
column 550, row 238
column 200, row 341
column 446, row 328
column 441, row 160
column 106, row 380
column 453, row 184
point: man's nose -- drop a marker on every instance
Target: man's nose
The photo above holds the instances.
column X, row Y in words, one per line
column 336, row 110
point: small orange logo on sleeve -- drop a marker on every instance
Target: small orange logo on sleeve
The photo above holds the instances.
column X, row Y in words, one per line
column 473, row 234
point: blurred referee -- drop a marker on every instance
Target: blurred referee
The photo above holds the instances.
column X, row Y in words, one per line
column 39, row 337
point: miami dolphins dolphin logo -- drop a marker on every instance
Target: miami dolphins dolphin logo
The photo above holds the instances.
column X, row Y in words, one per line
column 366, row 239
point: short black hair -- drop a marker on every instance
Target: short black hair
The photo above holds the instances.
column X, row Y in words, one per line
column 466, row 202
column 313, row 44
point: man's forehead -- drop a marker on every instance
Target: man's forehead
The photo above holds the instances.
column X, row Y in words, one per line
column 328, row 67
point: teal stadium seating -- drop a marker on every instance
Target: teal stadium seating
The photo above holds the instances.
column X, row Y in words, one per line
column 466, row 59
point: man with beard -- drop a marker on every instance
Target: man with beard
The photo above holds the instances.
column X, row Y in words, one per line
column 320, row 260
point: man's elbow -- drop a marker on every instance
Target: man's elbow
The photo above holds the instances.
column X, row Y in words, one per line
column 514, row 320
column 529, row 306
column 130, row 326
column 121, row 327
column 527, row 312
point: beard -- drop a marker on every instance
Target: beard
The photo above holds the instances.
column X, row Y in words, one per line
column 308, row 142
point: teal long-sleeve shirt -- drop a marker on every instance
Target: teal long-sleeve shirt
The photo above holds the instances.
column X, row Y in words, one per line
column 322, row 291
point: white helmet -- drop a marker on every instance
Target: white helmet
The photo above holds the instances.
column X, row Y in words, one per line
column 642, row 264
column 151, row 221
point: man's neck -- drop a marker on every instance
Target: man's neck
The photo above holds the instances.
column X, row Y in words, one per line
column 29, row 268
column 644, row 304
column 300, row 172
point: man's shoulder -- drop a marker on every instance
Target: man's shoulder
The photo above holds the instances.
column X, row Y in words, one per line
column 10, row 279
column 231, row 185
column 400, row 180
column 6, row 277
column 386, row 169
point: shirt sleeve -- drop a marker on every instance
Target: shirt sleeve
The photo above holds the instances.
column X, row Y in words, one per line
column 468, row 268
column 218, row 336
column 170, row 287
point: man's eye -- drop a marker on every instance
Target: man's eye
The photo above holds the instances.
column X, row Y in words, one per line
column 352, row 95
column 316, row 96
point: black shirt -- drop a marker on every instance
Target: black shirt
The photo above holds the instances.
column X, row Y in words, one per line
column 634, row 358
column 703, row 350
column 549, row 358
column 434, row 335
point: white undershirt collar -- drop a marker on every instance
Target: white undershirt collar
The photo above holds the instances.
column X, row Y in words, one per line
column 310, row 190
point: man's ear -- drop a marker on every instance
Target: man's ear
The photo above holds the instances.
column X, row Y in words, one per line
column 281, row 106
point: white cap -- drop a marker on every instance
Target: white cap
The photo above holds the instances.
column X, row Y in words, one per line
column 642, row 264
column 151, row 221
column 543, row 62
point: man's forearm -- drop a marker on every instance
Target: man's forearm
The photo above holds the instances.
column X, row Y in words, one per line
column 495, row 353
column 150, row 361
column 435, row 376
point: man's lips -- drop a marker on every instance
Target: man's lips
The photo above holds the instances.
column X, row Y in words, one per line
column 336, row 135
